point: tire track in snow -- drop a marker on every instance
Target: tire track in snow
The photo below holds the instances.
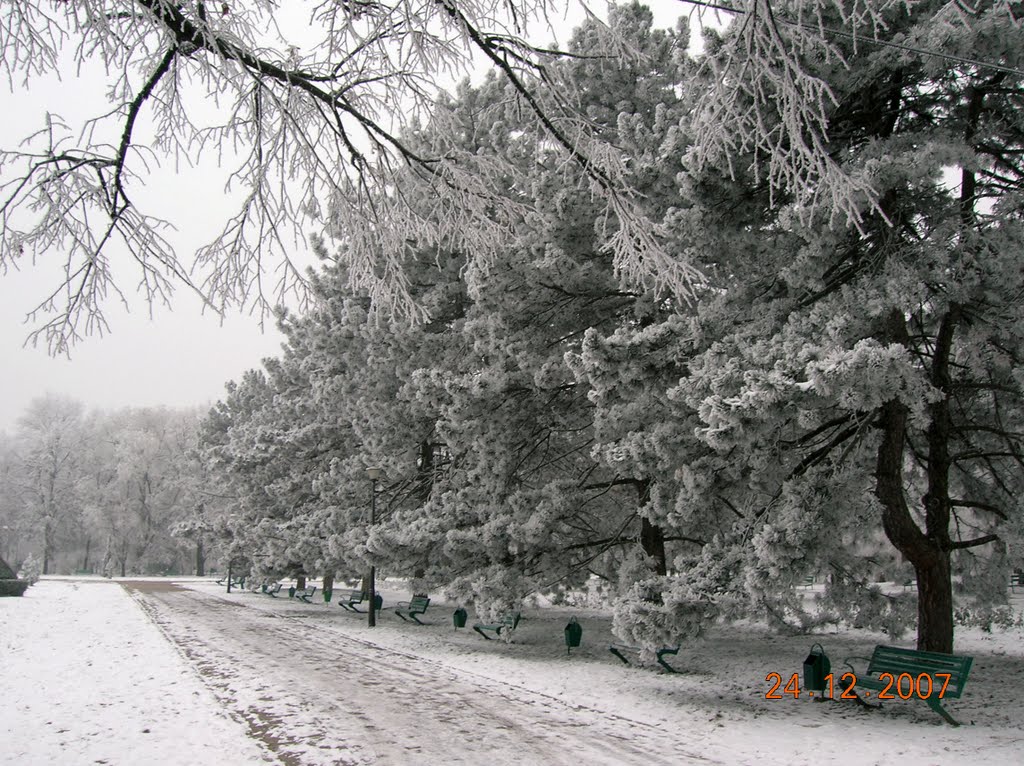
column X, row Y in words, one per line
column 316, row 697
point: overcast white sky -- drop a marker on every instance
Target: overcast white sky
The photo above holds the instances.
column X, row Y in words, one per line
column 179, row 358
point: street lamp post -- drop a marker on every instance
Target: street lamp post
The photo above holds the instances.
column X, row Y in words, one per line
column 374, row 476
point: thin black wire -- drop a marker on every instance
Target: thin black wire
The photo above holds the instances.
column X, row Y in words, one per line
column 864, row 39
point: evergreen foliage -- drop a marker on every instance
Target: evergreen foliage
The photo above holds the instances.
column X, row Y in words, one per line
column 840, row 398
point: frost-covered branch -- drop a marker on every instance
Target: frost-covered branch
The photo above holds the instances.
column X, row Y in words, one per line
column 311, row 120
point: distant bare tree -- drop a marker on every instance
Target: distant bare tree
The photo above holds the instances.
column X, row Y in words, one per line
column 48, row 446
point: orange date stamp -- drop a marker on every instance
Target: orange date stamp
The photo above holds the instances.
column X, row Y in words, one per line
column 889, row 686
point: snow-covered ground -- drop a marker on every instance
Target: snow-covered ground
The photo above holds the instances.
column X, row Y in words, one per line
column 91, row 672
column 86, row 678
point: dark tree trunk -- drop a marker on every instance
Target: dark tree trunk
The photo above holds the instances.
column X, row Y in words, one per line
column 935, row 605
column 200, row 559
column 300, row 581
column 85, row 561
column 652, row 536
column 931, row 563
column 928, row 552
column 425, row 470
column 46, row 547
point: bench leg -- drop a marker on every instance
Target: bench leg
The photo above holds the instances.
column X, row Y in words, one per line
column 857, row 698
column 403, row 616
column 664, row 664
column 618, row 654
column 415, row 619
column 934, row 704
column 477, row 629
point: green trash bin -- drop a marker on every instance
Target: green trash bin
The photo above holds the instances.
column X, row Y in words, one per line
column 327, row 593
column 459, row 618
column 816, row 667
column 573, row 635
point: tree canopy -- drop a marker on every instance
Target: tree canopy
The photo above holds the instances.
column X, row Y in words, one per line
column 839, row 398
column 313, row 107
column 692, row 324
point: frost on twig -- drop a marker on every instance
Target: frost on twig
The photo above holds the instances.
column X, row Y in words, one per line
column 767, row 102
column 316, row 127
column 300, row 118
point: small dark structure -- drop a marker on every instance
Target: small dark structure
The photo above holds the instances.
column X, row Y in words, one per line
column 10, row 585
column 573, row 635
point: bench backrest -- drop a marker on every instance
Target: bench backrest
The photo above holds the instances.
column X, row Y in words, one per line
column 419, row 602
column 896, row 660
column 511, row 619
column 356, row 595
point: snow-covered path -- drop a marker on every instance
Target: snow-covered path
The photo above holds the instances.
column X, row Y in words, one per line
column 316, row 697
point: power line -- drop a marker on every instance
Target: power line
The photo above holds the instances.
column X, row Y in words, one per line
column 857, row 38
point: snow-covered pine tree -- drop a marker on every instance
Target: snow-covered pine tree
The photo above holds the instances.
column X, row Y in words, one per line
column 864, row 373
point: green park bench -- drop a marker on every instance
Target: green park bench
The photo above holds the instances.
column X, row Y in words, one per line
column 621, row 650
column 236, row 582
column 890, row 666
column 408, row 610
column 1016, row 579
column 510, row 621
column 356, row 597
column 272, row 589
column 305, row 594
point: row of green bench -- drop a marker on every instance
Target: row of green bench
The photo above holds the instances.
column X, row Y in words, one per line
column 303, row 594
column 952, row 670
column 407, row 610
column 508, row 623
column 947, row 673
column 412, row 609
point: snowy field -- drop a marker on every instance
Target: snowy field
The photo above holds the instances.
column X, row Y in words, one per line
column 159, row 673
